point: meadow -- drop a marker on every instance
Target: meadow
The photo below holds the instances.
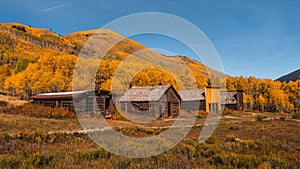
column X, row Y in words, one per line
column 242, row 140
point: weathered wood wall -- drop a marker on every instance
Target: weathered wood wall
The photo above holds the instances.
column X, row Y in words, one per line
column 167, row 105
column 190, row 106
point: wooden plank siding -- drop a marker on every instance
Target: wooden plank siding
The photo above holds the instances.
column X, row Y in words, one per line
column 163, row 101
column 192, row 106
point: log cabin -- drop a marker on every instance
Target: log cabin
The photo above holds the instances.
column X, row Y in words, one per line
column 151, row 100
column 192, row 100
column 207, row 99
column 87, row 101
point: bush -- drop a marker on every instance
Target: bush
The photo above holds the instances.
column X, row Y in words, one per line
column 202, row 113
column 260, row 118
column 296, row 116
column 3, row 104
column 282, row 118
column 227, row 111
column 230, row 138
column 37, row 110
column 118, row 116
column 234, row 128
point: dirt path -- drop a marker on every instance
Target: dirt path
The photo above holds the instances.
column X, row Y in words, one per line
column 158, row 125
column 14, row 124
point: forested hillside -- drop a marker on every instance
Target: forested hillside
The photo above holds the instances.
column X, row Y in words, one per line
column 35, row 60
column 266, row 94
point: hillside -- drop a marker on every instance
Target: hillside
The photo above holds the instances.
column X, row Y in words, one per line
column 36, row 60
column 20, row 42
column 294, row 76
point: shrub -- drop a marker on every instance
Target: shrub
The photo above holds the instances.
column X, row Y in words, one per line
column 202, row 113
column 217, row 160
column 39, row 160
column 3, row 103
column 296, row 116
column 282, row 118
column 227, row 111
column 118, row 116
column 36, row 110
column 265, row 165
column 211, row 140
column 230, row 138
column 260, row 118
column 9, row 162
column 234, row 128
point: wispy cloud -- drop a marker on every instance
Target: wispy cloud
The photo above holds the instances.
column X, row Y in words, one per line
column 56, row 7
column 292, row 38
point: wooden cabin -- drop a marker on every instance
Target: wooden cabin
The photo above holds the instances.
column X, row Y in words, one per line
column 151, row 100
column 192, row 100
column 207, row 99
column 232, row 99
column 88, row 101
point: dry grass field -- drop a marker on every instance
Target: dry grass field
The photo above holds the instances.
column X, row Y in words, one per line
column 242, row 140
column 12, row 101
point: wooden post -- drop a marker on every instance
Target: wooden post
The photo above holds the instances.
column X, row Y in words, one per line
column 149, row 108
column 104, row 106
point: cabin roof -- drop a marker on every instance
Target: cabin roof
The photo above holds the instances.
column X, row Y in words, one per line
column 228, row 97
column 59, row 95
column 145, row 93
column 192, row 95
column 62, row 93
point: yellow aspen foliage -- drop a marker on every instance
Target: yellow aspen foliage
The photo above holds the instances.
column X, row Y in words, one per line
column 5, row 72
column 153, row 77
column 261, row 102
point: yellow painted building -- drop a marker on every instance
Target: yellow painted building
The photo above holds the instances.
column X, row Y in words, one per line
column 213, row 99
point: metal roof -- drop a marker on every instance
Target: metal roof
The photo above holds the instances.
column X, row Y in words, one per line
column 55, row 96
column 145, row 93
column 59, row 95
column 192, row 95
column 63, row 93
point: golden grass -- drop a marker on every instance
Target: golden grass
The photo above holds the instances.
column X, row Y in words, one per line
column 12, row 100
column 236, row 143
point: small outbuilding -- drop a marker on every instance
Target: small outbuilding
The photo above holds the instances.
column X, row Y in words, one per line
column 151, row 100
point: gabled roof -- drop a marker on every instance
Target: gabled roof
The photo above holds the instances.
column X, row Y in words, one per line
column 145, row 93
column 192, row 95
column 228, row 97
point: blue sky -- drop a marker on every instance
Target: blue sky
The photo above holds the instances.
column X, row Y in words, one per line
column 258, row 38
